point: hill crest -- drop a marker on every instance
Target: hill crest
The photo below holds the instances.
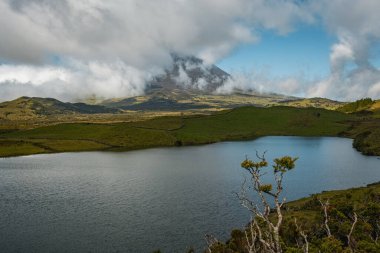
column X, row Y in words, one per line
column 31, row 107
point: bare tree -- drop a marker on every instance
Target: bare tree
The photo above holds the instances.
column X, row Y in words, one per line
column 265, row 228
column 251, row 237
column 305, row 247
column 325, row 206
column 352, row 230
column 211, row 241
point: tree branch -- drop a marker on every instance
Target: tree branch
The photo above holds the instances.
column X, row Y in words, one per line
column 325, row 206
column 304, row 236
column 351, row 230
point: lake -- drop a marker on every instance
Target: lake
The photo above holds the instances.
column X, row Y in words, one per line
column 162, row 198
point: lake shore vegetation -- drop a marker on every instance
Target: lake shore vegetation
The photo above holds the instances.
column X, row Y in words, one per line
column 244, row 123
column 339, row 221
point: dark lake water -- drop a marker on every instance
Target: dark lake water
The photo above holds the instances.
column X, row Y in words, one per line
column 164, row 198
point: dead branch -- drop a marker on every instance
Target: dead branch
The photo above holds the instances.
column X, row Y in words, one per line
column 304, row 236
column 351, row 230
column 210, row 240
column 325, row 206
column 251, row 244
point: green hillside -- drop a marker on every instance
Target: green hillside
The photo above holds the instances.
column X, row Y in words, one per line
column 365, row 127
column 251, row 122
column 25, row 108
column 314, row 102
column 180, row 100
column 364, row 104
column 237, row 124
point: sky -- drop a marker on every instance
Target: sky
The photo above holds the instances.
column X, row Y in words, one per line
column 305, row 51
column 73, row 49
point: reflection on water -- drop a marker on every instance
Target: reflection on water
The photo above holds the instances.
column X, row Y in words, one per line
column 164, row 198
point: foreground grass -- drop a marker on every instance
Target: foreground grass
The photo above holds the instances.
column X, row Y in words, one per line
column 237, row 124
column 364, row 201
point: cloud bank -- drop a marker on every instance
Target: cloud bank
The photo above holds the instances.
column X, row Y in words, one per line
column 355, row 23
column 353, row 75
column 110, row 48
column 76, row 81
column 70, row 49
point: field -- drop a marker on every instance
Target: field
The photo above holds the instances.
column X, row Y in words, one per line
column 237, row 124
column 252, row 122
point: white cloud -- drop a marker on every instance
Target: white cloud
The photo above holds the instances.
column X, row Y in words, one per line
column 355, row 24
column 263, row 82
column 119, row 42
column 77, row 80
column 116, row 46
column 35, row 75
column 183, row 78
column 341, row 54
column 374, row 90
column 289, row 86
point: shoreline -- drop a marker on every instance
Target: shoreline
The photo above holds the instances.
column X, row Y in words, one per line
column 121, row 149
column 240, row 124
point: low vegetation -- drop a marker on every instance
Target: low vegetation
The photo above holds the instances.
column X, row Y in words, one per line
column 29, row 108
column 306, row 217
column 251, row 122
column 39, row 125
column 331, row 222
column 366, row 134
column 180, row 100
column 358, row 106
column 364, row 126
column 237, row 124
column 314, row 102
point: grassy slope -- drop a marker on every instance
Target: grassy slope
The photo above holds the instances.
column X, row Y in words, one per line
column 357, row 106
column 375, row 108
column 103, row 136
column 366, row 132
column 365, row 201
column 365, row 128
column 187, row 99
column 27, row 108
column 314, row 102
column 237, row 124
column 250, row 122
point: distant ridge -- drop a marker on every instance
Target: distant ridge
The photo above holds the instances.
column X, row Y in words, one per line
column 25, row 107
column 189, row 84
column 313, row 102
column 361, row 106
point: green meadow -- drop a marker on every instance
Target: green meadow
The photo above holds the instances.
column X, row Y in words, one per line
column 237, row 124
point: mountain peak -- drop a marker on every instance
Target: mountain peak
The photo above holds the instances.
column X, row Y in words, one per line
column 188, row 74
